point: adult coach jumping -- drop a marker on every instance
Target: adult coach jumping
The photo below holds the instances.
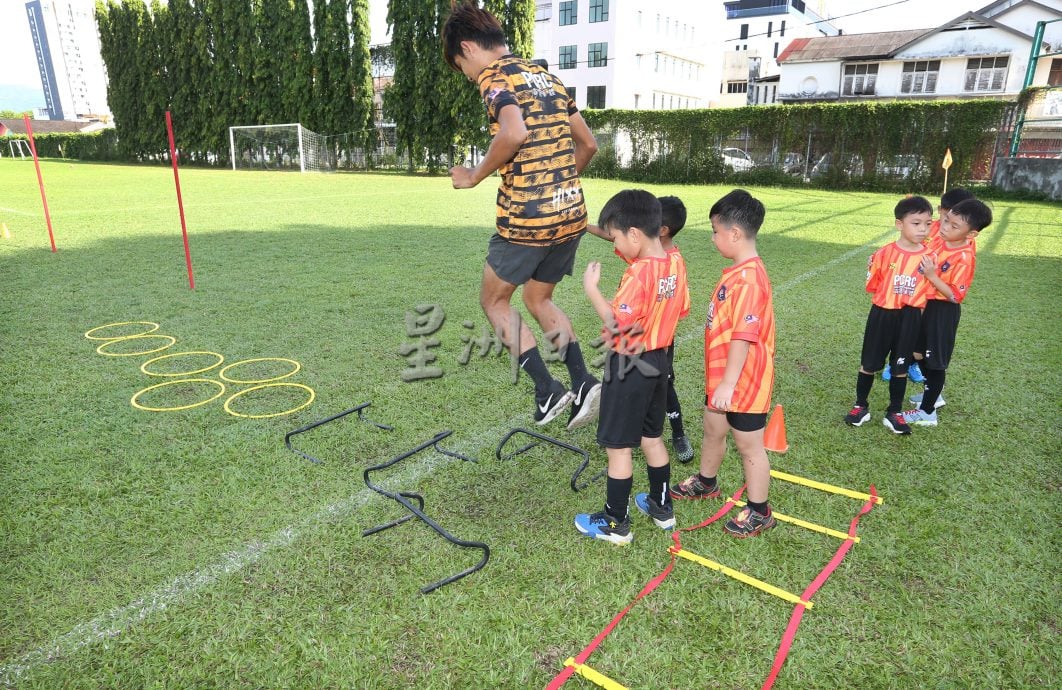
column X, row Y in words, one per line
column 540, row 144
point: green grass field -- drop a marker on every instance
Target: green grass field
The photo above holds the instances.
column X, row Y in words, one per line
column 192, row 549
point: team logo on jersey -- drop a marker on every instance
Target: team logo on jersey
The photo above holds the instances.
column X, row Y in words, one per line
column 711, row 316
column 492, row 94
column 624, row 309
column 945, row 266
column 665, row 288
column 751, row 318
column 904, row 285
column 721, row 295
column 539, row 83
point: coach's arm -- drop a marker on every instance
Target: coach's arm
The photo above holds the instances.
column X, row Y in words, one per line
column 585, row 143
column 510, row 137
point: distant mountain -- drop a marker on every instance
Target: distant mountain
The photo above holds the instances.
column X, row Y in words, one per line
column 19, row 97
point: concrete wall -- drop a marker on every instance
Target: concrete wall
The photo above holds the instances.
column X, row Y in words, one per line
column 1030, row 175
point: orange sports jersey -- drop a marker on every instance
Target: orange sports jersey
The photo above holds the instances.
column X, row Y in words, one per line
column 540, row 198
column 742, row 308
column 934, row 236
column 895, row 277
column 955, row 267
column 653, row 295
column 674, row 250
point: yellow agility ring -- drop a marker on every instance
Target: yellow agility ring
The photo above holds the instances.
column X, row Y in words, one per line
column 138, row 406
column 144, row 366
column 88, row 333
column 274, row 414
column 134, row 337
column 298, row 366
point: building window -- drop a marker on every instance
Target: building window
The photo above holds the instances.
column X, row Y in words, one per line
column 770, row 25
column 543, row 11
column 569, row 12
column 986, row 74
column 737, row 87
column 568, row 57
column 781, row 29
column 595, row 97
column 776, row 48
column 744, row 31
column 598, row 11
column 920, row 77
column 597, row 55
column 1054, row 77
column 859, row 80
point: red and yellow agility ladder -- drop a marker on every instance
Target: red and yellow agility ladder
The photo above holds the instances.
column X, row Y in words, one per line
column 802, row 602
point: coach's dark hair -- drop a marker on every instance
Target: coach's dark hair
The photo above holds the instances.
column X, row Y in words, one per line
column 741, row 209
column 912, row 204
column 672, row 213
column 953, row 196
column 632, row 208
column 469, row 22
column 975, row 212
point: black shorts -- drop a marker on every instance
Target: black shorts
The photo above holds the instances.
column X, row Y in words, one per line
column 891, row 334
column 743, row 421
column 936, row 340
column 633, row 403
column 518, row 263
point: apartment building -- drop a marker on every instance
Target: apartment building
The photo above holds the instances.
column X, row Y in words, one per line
column 67, row 47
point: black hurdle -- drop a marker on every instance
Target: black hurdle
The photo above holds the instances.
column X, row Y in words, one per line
column 404, row 497
column 326, row 420
column 556, row 442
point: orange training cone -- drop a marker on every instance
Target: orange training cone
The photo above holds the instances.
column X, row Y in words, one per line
column 774, row 435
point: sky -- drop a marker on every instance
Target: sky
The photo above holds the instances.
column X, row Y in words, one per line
column 20, row 83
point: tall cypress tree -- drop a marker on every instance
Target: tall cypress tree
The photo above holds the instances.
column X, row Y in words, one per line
column 363, row 120
column 270, row 60
column 400, row 94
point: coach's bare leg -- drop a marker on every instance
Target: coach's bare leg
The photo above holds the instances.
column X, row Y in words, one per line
column 538, row 297
column 495, row 296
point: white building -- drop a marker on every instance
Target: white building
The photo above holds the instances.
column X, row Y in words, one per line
column 755, row 33
column 632, row 54
column 67, row 45
column 980, row 54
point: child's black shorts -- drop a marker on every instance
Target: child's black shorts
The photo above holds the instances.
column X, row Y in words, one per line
column 518, row 263
column 936, row 340
column 892, row 334
column 633, row 399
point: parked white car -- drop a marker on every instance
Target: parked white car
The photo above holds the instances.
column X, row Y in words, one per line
column 737, row 159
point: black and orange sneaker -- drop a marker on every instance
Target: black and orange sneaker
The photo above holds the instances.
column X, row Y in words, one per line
column 693, row 487
column 857, row 416
column 895, row 423
column 749, row 523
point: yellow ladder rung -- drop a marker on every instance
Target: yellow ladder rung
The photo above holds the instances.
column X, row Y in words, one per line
column 593, row 676
column 821, row 486
column 747, row 579
column 806, row 525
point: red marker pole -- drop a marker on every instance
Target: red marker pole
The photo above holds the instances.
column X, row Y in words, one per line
column 180, row 204
column 40, row 180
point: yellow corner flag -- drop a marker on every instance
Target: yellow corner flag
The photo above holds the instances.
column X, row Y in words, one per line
column 947, row 160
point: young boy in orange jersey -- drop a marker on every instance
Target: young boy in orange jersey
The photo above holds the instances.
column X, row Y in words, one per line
column 895, row 278
column 639, row 328
column 738, row 364
column 949, row 268
column 672, row 220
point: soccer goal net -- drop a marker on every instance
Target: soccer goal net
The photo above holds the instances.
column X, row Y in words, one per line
column 18, row 148
column 279, row 147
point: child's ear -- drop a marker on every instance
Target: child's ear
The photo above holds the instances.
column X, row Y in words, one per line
column 973, row 234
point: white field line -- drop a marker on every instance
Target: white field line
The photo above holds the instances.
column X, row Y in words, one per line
column 115, row 621
column 17, row 212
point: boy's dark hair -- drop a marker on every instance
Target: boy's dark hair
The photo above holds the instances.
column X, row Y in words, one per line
column 912, row 204
column 974, row 212
column 741, row 209
column 672, row 213
column 632, row 208
column 469, row 22
column 950, row 198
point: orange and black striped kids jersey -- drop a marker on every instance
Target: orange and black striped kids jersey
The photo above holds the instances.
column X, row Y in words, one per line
column 742, row 308
column 955, row 267
column 540, row 198
column 653, row 295
column 895, row 277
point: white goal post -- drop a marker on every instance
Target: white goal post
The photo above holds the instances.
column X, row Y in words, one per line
column 279, row 147
column 18, row 147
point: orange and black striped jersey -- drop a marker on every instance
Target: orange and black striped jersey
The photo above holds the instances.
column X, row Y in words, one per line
column 895, row 277
column 540, row 198
column 955, row 267
column 742, row 308
column 653, row 295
